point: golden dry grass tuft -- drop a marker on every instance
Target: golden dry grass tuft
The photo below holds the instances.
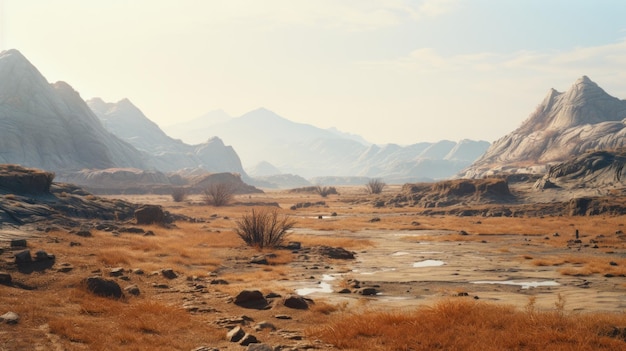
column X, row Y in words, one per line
column 468, row 325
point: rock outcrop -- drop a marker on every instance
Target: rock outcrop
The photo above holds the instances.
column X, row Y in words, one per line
column 564, row 125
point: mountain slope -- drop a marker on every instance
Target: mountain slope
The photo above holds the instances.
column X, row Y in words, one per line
column 49, row 126
column 166, row 154
column 565, row 124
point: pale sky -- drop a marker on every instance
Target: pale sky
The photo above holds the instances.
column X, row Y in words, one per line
column 393, row 71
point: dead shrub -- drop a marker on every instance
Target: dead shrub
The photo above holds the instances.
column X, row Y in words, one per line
column 179, row 194
column 375, row 186
column 264, row 227
column 324, row 191
column 218, row 194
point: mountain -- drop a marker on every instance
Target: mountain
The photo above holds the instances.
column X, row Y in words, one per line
column 198, row 130
column 565, row 124
column 49, row 126
column 166, row 154
column 296, row 148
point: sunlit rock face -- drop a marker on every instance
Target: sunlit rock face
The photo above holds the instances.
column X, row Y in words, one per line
column 564, row 125
column 49, row 126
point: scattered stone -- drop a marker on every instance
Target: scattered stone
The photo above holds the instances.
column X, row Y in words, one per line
column 367, row 291
column 116, row 272
column 264, row 325
column 132, row 230
column 290, row 335
column 43, row 256
column 65, row 268
column 261, row 259
column 272, row 295
column 161, row 286
column 248, row 339
column 463, row 293
column 218, row 282
column 375, row 219
column 138, row 271
column 169, row 273
column 231, row 322
column 149, row 214
column 344, row 291
column 205, row 348
column 73, row 243
column 282, row 316
column 294, row 245
column 259, row 347
column 336, row 253
column 18, row 243
column 10, row 318
column 5, row 278
column 251, row 299
column 149, row 233
column 84, row 233
column 297, row 302
column 103, row 287
column 612, row 263
column 463, row 232
column 23, row 257
column 132, row 289
column 235, row 334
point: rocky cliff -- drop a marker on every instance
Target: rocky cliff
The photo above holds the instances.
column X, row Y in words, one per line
column 564, row 125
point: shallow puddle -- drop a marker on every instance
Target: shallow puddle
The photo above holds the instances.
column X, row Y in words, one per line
column 428, row 263
column 524, row 285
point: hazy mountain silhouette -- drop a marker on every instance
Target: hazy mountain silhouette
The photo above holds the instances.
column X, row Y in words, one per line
column 564, row 125
column 49, row 126
column 166, row 154
column 308, row 151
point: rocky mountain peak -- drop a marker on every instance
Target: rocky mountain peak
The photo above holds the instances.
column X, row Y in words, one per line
column 564, row 124
column 20, row 79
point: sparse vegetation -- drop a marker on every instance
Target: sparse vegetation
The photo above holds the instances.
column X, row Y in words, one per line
column 179, row 194
column 324, row 191
column 218, row 194
column 375, row 186
column 264, row 227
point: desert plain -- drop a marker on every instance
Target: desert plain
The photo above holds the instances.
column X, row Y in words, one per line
column 451, row 277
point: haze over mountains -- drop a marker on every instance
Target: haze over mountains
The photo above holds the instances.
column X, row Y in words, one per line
column 563, row 126
column 261, row 136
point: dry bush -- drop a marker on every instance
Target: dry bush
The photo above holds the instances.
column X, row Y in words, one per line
column 324, row 191
column 219, row 194
column 264, row 227
column 179, row 194
column 469, row 325
column 375, row 186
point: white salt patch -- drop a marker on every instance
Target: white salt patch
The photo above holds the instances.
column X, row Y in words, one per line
column 428, row 263
column 322, row 287
column 524, row 285
column 400, row 253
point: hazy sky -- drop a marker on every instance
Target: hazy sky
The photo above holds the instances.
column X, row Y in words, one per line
column 391, row 71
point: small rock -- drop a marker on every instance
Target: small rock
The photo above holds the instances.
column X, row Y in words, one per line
column 248, row 339
column 367, row 291
column 251, row 299
column 5, row 278
column 73, row 243
column 259, row 347
column 18, row 242
column 375, row 219
column 294, row 245
column 463, row 232
column 344, row 291
column 149, row 233
column 262, row 259
column 23, row 257
column 218, row 282
column 138, row 271
column 235, row 334
column 84, row 233
column 10, row 318
column 612, row 263
column 132, row 289
column 282, row 316
column 41, row 255
column 264, row 325
column 169, row 273
column 65, row 268
column 116, row 272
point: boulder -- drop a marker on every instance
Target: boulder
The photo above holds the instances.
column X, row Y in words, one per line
column 251, row 299
column 23, row 257
column 235, row 334
column 10, row 318
column 297, row 302
column 103, row 287
column 150, row 214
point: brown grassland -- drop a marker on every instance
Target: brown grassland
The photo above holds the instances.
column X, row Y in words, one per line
column 58, row 313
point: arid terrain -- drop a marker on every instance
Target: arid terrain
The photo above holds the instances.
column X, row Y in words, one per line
column 182, row 282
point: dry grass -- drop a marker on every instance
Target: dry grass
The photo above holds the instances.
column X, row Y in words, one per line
column 468, row 325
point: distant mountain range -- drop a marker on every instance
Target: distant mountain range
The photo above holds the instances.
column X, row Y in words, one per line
column 563, row 126
column 265, row 141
